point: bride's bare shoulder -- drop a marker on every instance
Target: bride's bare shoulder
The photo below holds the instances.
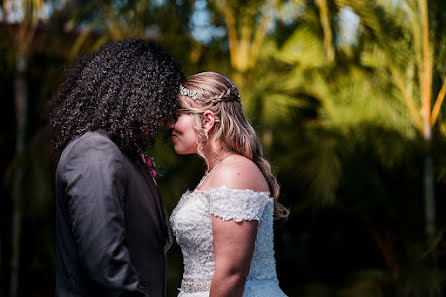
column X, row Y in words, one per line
column 239, row 172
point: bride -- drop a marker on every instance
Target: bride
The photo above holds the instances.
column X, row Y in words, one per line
column 225, row 226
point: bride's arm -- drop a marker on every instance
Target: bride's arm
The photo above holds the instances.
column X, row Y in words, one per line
column 233, row 250
column 234, row 241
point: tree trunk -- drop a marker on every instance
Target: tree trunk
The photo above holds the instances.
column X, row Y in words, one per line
column 426, row 88
column 429, row 198
column 21, row 102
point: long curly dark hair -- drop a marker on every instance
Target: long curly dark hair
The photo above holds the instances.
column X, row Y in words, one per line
column 127, row 88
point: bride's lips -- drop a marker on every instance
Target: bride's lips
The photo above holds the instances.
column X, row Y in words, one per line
column 173, row 137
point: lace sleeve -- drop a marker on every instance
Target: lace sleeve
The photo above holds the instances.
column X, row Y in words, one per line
column 237, row 205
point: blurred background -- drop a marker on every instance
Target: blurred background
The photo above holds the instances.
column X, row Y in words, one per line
column 345, row 95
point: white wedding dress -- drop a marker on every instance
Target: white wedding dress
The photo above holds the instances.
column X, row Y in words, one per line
column 192, row 226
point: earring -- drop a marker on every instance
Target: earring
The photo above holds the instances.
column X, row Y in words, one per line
column 206, row 136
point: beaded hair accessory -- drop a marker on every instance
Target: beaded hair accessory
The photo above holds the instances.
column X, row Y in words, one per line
column 189, row 93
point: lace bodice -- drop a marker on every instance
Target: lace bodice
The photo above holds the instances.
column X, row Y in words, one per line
column 192, row 226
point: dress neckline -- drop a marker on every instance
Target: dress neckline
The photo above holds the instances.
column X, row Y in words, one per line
column 223, row 187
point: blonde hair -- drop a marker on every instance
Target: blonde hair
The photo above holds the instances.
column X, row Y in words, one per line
column 217, row 93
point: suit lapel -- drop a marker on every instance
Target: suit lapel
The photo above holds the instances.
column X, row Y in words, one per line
column 169, row 237
column 162, row 213
column 161, row 209
column 160, row 205
column 153, row 188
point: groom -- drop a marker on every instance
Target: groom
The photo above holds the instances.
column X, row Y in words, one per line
column 111, row 224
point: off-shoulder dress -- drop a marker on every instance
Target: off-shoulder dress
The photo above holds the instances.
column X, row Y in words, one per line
column 192, row 226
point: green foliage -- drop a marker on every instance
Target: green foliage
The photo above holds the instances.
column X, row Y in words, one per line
column 339, row 132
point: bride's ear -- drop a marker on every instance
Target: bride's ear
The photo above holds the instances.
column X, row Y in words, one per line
column 208, row 120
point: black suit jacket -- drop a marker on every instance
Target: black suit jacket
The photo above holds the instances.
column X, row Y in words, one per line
column 111, row 224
